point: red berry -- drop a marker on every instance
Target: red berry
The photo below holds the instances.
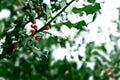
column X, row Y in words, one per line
column 37, row 38
column 113, row 76
column 38, row 9
column 34, row 26
column 17, row 4
column 33, row 31
column 47, row 28
column 13, row 50
column 24, row 4
column 15, row 46
column 108, row 71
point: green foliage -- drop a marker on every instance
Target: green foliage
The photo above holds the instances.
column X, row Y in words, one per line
column 91, row 1
column 69, row 24
column 94, row 17
column 25, row 58
column 79, row 25
column 88, row 9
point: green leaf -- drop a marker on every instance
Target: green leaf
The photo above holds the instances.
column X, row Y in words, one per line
column 95, row 53
column 91, row 1
column 80, row 24
column 62, row 43
column 77, row 10
column 1, row 30
column 80, row 57
column 69, row 24
column 89, row 9
column 102, row 47
column 31, row 16
column 94, row 17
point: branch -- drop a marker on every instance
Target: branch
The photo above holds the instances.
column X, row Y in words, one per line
column 54, row 17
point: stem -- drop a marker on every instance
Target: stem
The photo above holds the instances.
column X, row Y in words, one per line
column 54, row 17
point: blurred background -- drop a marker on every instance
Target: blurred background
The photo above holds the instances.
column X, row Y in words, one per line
column 94, row 49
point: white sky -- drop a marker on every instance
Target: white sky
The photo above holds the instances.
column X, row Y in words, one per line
column 109, row 13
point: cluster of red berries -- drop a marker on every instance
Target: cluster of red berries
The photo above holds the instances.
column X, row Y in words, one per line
column 23, row 3
column 15, row 46
column 109, row 72
column 35, row 27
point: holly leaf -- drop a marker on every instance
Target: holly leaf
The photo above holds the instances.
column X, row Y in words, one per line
column 80, row 57
column 89, row 9
column 80, row 24
column 102, row 48
column 91, row 1
column 69, row 24
column 94, row 17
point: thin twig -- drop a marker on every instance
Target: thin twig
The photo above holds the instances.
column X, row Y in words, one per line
column 54, row 17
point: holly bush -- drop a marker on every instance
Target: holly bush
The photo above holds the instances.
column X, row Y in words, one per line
column 27, row 54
